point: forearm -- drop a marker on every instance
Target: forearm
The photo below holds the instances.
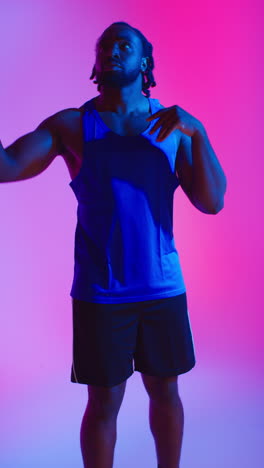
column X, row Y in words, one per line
column 6, row 165
column 208, row 178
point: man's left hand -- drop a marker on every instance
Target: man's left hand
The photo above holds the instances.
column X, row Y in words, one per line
column 172, row 118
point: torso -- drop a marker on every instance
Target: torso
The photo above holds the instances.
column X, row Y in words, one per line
column 71, row 132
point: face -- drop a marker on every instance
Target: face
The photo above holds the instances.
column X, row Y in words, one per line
column 119, row 59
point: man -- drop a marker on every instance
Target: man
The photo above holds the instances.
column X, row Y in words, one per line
column 126, row 154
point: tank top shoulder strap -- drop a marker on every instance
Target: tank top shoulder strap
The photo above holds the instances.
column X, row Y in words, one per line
column 156, row 105
column 172, row 143
column 88, row 121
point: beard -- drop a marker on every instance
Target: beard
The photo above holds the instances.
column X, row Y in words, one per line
column 117, row 78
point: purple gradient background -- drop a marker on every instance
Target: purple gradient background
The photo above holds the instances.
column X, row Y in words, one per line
column 208, row 60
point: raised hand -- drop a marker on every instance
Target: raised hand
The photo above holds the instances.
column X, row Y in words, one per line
column 172, row 118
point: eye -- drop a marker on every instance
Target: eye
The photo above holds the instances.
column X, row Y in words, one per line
column 125, row 44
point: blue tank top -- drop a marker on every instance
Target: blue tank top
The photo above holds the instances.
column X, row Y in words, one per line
column 124, row 247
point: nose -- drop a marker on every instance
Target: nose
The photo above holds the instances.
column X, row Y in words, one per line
column 110, row 52
column 113, row 50
column 112, row 55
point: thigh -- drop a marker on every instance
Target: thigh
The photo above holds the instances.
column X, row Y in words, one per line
column 165, row 345
column 104, row 337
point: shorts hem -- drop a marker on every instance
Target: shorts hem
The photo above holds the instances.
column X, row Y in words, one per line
column 179, row 371
column 87, row 381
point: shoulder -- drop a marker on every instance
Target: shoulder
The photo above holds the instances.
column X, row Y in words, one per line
column 63, row 118
column 156, row 103
column 66, row 116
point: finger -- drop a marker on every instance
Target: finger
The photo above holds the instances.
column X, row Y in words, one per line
column 156, row 126
column 163, row 121
column 157, row 114
column 163, row 134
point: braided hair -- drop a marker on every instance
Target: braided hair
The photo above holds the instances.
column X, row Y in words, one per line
column 147, row 75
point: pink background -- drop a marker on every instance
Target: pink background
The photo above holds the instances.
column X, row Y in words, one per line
column 208, row 60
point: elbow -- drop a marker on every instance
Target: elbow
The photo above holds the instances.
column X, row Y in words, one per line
column 208, row 208
column 218, row 207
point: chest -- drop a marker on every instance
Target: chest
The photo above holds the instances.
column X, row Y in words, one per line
column 71, row 131
column 125, row 126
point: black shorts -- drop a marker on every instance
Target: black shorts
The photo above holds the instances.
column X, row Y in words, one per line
column 156, row 334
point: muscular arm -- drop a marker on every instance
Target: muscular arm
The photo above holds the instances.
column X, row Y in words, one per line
column 32, row 153
column 201, row 177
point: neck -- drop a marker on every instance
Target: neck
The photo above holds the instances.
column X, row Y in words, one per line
column 126, row 100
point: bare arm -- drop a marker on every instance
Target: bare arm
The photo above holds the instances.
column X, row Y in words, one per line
column 200, row 174
column 32, row 153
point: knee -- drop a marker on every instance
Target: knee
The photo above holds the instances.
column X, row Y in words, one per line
column 106, row 401
column 162, row 389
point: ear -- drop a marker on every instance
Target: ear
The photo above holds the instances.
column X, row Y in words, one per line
column 144, row 64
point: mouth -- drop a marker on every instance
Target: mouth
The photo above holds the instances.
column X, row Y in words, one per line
column 111, row 66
